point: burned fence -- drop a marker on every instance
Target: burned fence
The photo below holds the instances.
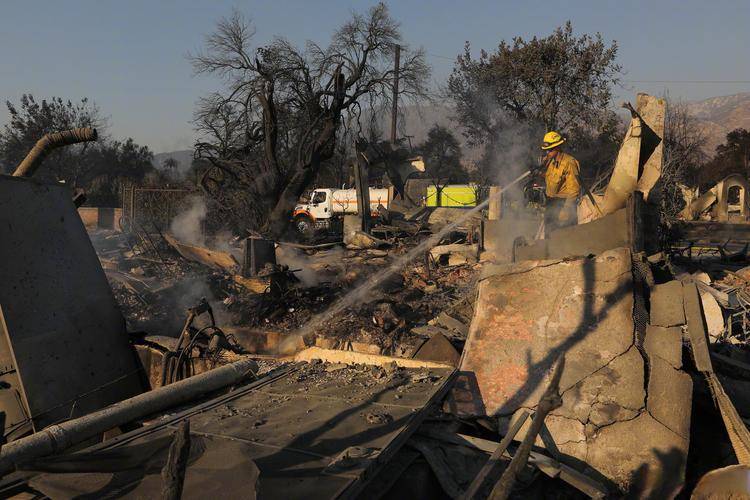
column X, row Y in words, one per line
column 152, row 208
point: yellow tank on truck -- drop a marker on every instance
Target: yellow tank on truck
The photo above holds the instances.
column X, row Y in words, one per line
column 453, row 195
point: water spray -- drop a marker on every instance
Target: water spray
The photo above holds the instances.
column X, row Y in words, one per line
column 289, row 343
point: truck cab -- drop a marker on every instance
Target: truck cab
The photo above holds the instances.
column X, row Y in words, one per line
column 313, row 212
column 322, row 206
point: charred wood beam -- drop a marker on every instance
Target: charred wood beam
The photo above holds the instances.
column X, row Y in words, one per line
column 710, row 231
column 173, row 473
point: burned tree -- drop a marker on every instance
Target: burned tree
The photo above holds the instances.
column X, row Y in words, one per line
column 268, row 133
column 684, row 157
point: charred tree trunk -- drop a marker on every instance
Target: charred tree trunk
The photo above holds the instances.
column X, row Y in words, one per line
column 307, row 167
column 303, row 176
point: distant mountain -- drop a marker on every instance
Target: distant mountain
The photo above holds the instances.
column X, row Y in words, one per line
column 184, row 159
column 720, row 115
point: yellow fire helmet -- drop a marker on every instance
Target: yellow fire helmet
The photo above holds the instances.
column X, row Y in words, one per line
column 552, row 139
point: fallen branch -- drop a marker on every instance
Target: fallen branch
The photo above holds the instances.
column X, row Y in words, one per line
column 173, row 473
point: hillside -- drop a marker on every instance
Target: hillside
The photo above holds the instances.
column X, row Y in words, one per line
column 719, row 115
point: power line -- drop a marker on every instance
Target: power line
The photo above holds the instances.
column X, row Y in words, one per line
column 687, row 81
column 439, row 56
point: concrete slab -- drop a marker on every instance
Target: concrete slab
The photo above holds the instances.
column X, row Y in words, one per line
column 65, row 331
column 665, row 343
column 666, row 305
column 529, row 313
column 668, row 391
column 611, row 231
column 524, row 320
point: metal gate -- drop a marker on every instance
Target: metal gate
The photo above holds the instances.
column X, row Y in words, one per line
column 151, row 208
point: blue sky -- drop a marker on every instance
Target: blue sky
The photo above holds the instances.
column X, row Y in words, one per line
column 129, row 56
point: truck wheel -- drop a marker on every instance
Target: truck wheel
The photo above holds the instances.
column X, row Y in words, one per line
column 304, row 226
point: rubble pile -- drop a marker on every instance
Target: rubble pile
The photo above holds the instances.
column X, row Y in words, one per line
column 155, row 289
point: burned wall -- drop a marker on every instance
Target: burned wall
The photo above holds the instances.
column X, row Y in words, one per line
column 625, row 415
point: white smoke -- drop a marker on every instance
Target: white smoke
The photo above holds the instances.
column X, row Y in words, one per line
column 313, row 269
column 187, row 226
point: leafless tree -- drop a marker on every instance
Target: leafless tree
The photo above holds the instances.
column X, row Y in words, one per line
column 684, row 154
column 268, row 131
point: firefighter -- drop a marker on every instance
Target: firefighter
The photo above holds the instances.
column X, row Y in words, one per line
column 561, row 184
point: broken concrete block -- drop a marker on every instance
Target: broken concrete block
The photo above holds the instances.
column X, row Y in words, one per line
column 523, row 320
column 499, row 236
column 727, row 482
column 438, row 349
column 665, row 343
column 666, row 304
column 653, row 111
column 713, row 315
column 696, row 327
column 446, row 321
column 611, row 231
column 668, row 389
column 640, row 453
column 430, row 331
column 362, row 240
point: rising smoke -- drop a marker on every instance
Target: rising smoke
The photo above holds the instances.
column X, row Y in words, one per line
column 187, row 226
column 311, row 271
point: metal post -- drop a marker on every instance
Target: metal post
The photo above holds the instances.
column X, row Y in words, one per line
column 394, row 111
column 362, row 183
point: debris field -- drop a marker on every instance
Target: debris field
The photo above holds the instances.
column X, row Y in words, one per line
column 433, row 353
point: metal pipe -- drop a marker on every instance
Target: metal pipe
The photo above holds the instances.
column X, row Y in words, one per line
column 59, row 437
column 49, row 142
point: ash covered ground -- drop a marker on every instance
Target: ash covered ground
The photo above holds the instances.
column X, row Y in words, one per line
column 155, row 289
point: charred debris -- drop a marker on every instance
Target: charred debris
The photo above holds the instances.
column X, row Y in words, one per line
column 428, row 352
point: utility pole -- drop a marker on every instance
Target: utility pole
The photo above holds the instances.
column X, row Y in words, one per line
column 394, row 111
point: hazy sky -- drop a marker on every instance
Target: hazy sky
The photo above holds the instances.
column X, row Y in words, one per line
column 129, row 56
